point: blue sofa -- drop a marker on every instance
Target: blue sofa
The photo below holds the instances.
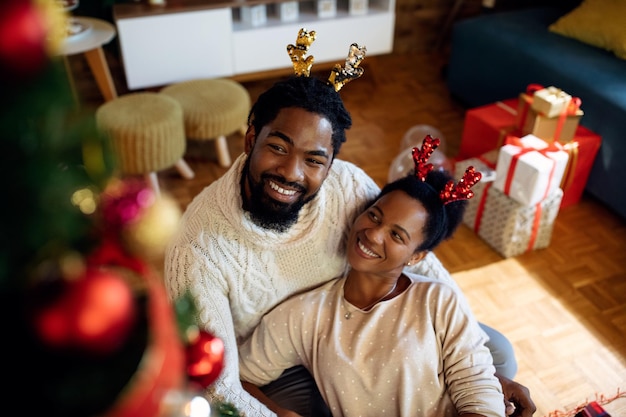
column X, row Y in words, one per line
column 495, row 56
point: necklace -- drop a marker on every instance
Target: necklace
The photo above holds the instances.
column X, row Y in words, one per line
column 348, row 314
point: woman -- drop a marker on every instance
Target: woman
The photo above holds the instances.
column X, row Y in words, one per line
column 378, row 340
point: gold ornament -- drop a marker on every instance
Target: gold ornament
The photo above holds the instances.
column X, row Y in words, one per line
column 297, row 52
column 56, row 20
column 149, row 235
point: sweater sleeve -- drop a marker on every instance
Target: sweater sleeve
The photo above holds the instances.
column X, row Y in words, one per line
column 187, row 268
column 468, row 367
column 271, row 348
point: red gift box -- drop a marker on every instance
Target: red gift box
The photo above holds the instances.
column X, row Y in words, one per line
column 486, row 127
column 582, row 152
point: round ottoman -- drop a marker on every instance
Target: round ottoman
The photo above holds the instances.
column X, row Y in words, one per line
column 147, row 134
column 212, row 109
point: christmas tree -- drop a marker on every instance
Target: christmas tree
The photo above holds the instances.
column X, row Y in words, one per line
column 89, row 328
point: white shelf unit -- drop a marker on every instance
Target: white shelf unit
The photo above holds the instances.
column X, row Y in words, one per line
column 164, row 46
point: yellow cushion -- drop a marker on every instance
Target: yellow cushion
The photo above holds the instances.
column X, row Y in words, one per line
column 601, row 23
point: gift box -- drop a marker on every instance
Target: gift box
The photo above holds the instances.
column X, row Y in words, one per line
column 550, row 101
column 326, row 8
column 511, row 228
column 582, row 151
column 559, row 128
column 288, row 11
column 485, row 127
column 254, row 15
column 486, row 165
column 528, row 169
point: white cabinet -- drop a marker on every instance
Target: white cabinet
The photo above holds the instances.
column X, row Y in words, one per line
column 161, row 46
column 166, row 48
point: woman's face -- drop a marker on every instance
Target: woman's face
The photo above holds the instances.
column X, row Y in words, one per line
column 385, row 236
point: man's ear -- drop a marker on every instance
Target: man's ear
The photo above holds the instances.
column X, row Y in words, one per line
column 249, row 139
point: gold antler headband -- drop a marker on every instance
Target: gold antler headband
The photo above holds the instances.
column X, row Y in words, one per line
column 302, row 65
column 351, row 71
column 339, row 76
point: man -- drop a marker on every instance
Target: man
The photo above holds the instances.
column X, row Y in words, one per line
column 275, row 225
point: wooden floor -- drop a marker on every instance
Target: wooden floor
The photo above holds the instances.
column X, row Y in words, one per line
column 564, row 307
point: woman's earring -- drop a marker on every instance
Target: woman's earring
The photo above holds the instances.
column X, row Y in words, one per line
column 408, row 264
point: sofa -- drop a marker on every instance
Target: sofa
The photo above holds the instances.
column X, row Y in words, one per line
column 495, row 56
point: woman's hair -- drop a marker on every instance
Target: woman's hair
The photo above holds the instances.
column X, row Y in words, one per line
column 308, row 93
column 442, row 220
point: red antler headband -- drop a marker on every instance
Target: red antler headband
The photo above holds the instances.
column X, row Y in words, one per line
column 421, row 155
column 451, row 191
column 461, row 190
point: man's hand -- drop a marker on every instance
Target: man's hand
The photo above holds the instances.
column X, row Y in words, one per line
column 516, row 398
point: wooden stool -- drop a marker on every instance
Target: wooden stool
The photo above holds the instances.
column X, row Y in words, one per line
column 213, row 109
column 147, row 134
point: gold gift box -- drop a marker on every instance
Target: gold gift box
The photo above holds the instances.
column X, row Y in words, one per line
column 532, row 122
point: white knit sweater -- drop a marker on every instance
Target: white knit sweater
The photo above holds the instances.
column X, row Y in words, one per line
column 237, row 271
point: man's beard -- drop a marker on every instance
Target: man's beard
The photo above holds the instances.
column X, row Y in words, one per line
column 264, row 210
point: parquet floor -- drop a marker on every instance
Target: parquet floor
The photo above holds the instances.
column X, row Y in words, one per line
column 564, row 307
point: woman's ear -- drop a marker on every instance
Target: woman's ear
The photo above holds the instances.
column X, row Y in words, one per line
column 249, row 139
column 416, row 257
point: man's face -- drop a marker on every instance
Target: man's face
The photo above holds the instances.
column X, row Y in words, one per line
column 288, row 161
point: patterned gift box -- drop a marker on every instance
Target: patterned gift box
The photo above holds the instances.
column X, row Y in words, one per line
column 511, row 228
column 485, row 127
column 486, row 165
column 559, row 128
column 528, row 169
column 550, row 101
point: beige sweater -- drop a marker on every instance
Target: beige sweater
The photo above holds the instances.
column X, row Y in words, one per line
column 418, row 354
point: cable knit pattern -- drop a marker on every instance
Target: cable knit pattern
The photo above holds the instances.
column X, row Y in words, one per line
column 237, row 271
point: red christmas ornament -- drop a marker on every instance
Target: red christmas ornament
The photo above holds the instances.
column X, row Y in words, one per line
column 205, row 358
column 94, row 313
column 23, row 30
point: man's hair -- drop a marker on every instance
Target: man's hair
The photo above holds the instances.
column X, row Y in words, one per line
column 308, row 93
column 442, row 220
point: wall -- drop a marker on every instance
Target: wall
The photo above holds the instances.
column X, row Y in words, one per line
column 420, row 23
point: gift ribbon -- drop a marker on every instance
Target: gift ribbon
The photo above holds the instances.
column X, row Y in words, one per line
column 554, row 147
column 536, row 221
column 530, row 90
column 570, row 110
column 487, row 162
column 535, row 229
column 481, row 208
column 570, row 170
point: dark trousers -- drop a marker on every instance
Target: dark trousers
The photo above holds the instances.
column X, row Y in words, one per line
column 295, row 390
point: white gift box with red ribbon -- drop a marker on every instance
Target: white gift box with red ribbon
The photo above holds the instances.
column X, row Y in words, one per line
column 529, row 169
